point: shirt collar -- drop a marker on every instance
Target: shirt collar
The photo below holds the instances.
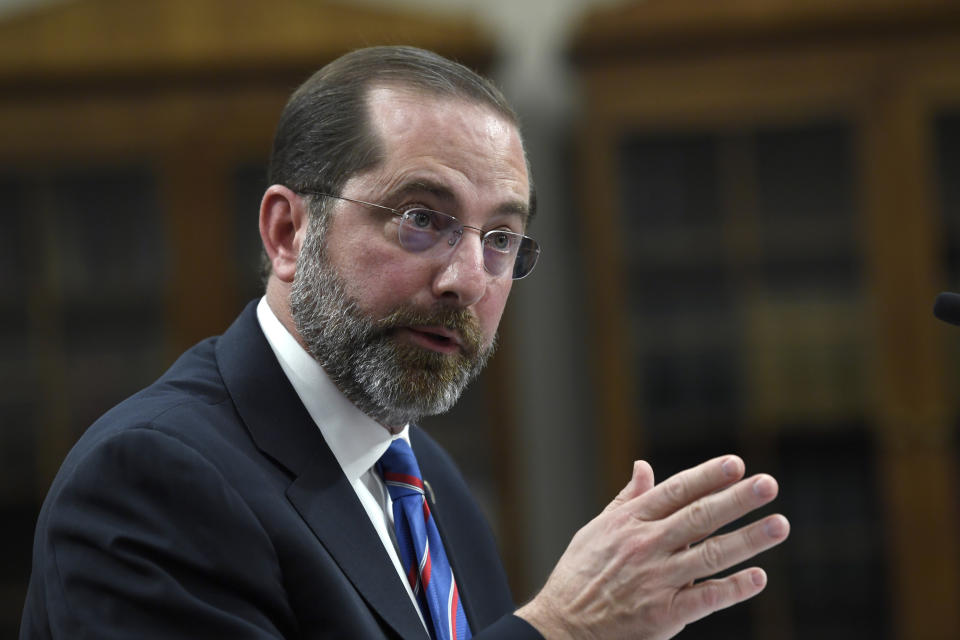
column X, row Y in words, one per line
column 356, row 440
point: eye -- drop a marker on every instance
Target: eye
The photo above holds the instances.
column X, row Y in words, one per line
column 420, row 218
column 500, row 240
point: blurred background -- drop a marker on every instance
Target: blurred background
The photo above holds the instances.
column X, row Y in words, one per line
column 746, row 207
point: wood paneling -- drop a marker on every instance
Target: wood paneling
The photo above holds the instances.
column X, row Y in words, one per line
column 187, row 93
column 727, row 68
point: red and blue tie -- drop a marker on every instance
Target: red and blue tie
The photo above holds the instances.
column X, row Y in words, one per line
column 421, row 550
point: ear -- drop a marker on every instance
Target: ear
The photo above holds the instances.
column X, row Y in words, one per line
column 283, row 226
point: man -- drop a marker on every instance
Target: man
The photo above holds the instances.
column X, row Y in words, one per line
column 252, row 492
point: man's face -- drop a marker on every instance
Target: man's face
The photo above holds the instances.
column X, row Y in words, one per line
column 402, row 333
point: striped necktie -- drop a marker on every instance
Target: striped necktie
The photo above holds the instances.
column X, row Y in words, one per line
column 421, row 550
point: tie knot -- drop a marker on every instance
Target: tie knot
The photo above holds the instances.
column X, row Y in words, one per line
column 399, row 470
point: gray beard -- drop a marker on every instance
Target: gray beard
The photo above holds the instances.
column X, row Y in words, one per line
column 393, row 382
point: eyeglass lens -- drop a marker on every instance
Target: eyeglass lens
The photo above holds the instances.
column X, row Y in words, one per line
column 423, row 229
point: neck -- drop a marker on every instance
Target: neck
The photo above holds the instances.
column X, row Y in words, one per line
column 393, row 430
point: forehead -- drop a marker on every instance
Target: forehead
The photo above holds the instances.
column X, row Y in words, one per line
column 470, row 148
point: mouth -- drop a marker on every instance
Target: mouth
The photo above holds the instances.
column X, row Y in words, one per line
column 439, row 339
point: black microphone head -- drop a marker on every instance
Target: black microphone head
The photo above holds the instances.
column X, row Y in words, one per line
column 947, row 307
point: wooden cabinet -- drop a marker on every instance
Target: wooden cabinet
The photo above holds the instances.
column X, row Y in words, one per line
column 133, row 144
column 769, row 206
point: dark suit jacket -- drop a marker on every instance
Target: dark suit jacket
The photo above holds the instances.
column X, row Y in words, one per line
column 209, row 506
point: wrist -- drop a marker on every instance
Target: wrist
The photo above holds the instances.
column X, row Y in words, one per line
column 546, row 619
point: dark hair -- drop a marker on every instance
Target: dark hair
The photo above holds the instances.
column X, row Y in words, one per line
column 323, row 137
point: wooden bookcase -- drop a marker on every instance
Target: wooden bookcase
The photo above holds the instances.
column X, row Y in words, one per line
column 769, row 206
column 135, row 137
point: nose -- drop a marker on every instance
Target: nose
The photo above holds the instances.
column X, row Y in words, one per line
column 462, row 278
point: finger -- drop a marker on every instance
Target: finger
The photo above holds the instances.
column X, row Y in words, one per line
column 704, row 598
column 640, row 482
column 722, row 552
column 681, row 489
column 704, row 516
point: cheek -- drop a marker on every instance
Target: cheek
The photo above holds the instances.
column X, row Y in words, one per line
column 375, row 269
column 380, row 280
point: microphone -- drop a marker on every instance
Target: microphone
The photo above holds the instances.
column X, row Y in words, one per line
column 947, row 307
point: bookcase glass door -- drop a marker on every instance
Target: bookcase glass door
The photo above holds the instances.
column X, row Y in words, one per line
column 20, row 389
column 946, row 149
column 745, row 312
column 83, row 270
column 248, row 181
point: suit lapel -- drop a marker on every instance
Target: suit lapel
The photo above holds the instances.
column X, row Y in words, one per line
column 283, row 430
column 328, row 503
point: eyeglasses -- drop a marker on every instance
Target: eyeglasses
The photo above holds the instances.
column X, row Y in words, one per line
column 421, row 230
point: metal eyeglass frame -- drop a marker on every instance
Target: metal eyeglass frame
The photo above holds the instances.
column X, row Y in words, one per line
column 527, row 252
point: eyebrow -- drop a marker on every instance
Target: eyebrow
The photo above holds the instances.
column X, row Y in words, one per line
column 445, row 194
column 436, row 189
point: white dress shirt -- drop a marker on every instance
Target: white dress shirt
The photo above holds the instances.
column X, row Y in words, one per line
column 356, row 440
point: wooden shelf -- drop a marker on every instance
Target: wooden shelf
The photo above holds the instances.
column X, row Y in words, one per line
column 767, row 237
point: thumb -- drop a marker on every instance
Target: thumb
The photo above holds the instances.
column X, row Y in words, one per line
column 640, row 482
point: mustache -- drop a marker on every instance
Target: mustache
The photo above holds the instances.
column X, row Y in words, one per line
column 450, row 318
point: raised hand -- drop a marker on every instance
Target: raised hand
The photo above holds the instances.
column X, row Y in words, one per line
column 632, row 571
